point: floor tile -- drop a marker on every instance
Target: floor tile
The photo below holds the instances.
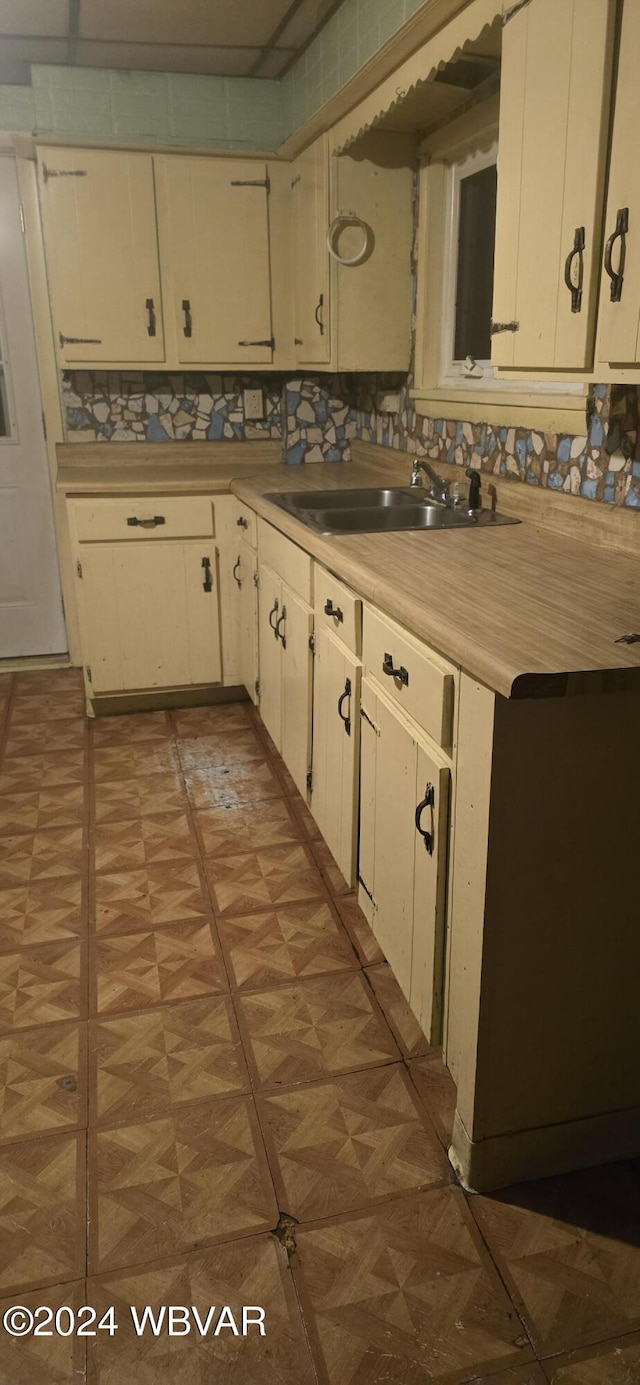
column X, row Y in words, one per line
column 45, row 737
column 531, row 1374
column 50, row 854
column 342, row 1145
column 125, row 800
column 278, row 875
column 53, row 681
column 400, row 1018
column 143, row 841
column 130, row 728
column 41, row 985
column 208, row 756
column 223, row 718
column 252, row 1271
column 116, row 762
column 434, row 1083
column 244, row 783
column 366, row 945
column 28, row 812
column 44, row 911
column 43, row 1085
column 30, row 707
column 142, row 969
column 163, row 892
column 288, row 783
column 42, row 1211
column 331, row 873
column 310, row 826
column 405, row 1293
column 193, row 1178
column 235, row 830
column 286, row 945
column 145, row 1064
column 611, row 1363
column 53, row 770
column 569, row 1251
column 323, row 1026
column 54, row 1360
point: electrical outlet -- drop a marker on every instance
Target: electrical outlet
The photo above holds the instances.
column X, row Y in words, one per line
column 388, row 403
column 253, row 404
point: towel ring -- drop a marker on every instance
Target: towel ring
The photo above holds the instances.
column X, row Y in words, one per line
column 337, row 226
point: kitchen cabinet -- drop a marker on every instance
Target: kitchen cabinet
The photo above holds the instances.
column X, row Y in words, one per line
column 247, row 576
column 237, row 581
column 551, row 173
column 404, row 799
column 619, row 319
column 99, row 222
column 310, row 209
column 336, row 749
column 285, row 630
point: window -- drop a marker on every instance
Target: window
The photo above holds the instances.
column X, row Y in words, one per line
column 468, row 276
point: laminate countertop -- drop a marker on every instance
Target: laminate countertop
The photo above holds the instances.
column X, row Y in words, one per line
column 526, row 611
column 140, row 468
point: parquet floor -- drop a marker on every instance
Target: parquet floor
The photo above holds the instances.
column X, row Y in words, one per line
column 212, row 1092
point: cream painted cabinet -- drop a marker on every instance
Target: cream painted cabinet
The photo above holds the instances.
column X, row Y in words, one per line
column 99, row 220
column 619, row 322
column 286, row 672
column 404, row 799
column 554, row 111
column 246, row 572
column 336, row 749
column 213, row 217
column 237, row 579
column 310, row 206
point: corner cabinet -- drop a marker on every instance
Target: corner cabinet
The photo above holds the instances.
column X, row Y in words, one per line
column 551, row 175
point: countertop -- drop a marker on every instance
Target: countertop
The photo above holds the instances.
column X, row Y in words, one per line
column 159, row 468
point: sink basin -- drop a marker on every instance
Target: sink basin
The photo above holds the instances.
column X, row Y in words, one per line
column 383, row 511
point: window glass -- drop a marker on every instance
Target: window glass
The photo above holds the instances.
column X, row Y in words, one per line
column 474, row 285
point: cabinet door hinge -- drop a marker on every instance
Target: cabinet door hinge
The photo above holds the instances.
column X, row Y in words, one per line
column 44, row 425
column 48, row 173
column 367, row 718
column 79, row 341
column 312, row 643
column 310, row 781
column 367, row 891
column 256, row 578
column 266, row 341
column 251, row 183
column 79, row 568
column 89, row 673
column 498, row 327
column 257, row 687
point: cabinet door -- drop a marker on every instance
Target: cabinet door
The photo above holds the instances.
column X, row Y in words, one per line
column 619, row 323
column 310, row 183
column 214, row 234
column 402, row 870
column 99, row 222
column 295, row 631
column 269, row 612
column 336, row 749
column 551, row 155
column 148, row 621
column 248, row 667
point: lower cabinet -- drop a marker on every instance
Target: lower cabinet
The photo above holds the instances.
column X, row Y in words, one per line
column 285, row 629
column 149, row 615
column 237, row 568
column 245, row 573
column 404, row 803
column 336, row 749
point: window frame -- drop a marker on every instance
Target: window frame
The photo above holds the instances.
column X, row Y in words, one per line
column 451, row 373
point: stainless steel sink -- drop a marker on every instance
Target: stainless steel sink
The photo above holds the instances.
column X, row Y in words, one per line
column 381, row 511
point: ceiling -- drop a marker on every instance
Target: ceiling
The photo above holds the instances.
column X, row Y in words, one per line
column 230, row 38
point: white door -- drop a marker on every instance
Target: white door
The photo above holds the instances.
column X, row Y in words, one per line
column 31, row 616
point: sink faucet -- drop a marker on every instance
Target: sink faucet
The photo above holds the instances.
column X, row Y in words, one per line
column 439, row 488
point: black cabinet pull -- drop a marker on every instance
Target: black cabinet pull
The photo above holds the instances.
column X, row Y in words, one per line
column 273, row 612
column 342, row 698
column 278, row 624
column 242, row 523
column 207, row 585
column 151, row 317
column 318, row 311
column 400, row 673
column 617, row 275
column 579, row 242
column 153, row 523
column 236, row 565
column 331, row 610
column 427, row 802
column 264, row 341
column 188, row 322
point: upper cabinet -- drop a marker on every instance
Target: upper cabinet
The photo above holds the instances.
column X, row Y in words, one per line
column 213, row 218
column 101, row 241
column 619, row 322
column 310, row 187
column 554, row 113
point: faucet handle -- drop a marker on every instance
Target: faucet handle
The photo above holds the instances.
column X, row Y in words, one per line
column 474, row 488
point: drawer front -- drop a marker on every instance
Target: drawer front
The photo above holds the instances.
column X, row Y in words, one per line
column 291, row 563
column 422, row 684
column 143, row 517
column 337, row 609
column 247, row 524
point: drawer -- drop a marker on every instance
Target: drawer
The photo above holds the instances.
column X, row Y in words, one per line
column 247, row 524
column 424, row 684
column 337, row 609
column 291, row 563
column 157, row 516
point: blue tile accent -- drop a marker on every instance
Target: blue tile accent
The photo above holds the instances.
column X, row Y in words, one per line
column 155, row 430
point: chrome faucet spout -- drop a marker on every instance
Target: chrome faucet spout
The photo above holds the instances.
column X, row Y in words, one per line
column 439, row 488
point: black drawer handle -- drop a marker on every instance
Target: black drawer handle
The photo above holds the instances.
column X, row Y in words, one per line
column 427, row 802
column 278, row 624
column 617, row 275
column 153, row 523
column 242, row 523
column 208, row 580
column 575, row 290
column 151, row 317
column 188, row 320
column 341, row 700
column 331, row 610
column 400, row 673
column 273, row 612
column 236, row 565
